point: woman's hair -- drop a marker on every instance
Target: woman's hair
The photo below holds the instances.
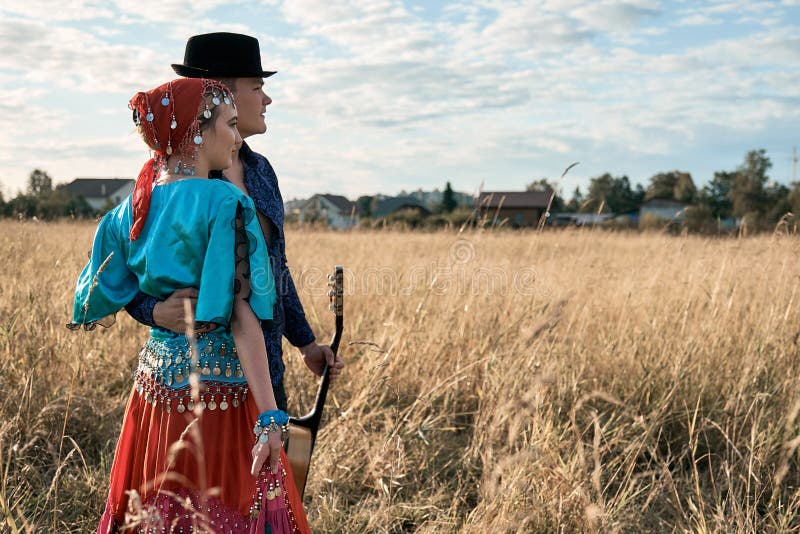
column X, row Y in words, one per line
column 207, row 123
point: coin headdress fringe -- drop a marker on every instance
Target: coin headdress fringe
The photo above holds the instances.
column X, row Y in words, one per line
column 168, row 118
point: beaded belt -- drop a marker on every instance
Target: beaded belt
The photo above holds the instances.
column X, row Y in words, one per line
column 213, row 395
column 162, row 376
column 169, row 362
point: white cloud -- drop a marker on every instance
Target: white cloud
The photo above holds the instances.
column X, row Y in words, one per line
column 58, row 10
column 67, row 57
column 698, row 19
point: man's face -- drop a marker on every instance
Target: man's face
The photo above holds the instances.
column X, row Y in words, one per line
column 251, row 102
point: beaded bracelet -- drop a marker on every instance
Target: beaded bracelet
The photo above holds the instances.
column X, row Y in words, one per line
column 271, row 421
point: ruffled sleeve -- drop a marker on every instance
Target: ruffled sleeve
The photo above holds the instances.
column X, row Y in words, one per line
column 235, row 245
column 105, row 285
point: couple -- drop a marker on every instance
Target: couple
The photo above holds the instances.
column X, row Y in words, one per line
column 202, row 456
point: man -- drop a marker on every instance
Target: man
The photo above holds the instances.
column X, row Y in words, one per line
column 236, row 60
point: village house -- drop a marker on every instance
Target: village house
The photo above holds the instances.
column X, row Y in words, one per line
column 520, row 208
column 386, row 206
column 335, row 210
column 101, row 193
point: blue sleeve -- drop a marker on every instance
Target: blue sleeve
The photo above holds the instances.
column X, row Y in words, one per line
column 234, row 236
column 105, row 285
column 296, row 327
column 141, row 308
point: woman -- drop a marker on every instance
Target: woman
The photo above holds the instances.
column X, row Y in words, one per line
column 189, row 457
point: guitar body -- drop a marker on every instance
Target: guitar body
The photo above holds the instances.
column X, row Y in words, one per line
column 303, row 430
column 299, row 454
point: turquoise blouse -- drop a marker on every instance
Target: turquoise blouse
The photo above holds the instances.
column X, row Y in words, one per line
column 188, row 240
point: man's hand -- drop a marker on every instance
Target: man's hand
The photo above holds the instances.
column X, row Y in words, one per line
column 169, row 314
column 315, row 356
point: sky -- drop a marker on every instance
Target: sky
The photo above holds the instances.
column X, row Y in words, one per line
column 379, row 96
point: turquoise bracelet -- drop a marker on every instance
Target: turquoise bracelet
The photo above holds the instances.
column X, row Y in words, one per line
column 271, row 421
column 279, row 417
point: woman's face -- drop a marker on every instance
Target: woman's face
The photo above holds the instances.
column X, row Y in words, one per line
column 221, row 140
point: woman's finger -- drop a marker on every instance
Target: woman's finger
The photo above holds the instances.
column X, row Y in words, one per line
column 258, row 458
column 274, row 458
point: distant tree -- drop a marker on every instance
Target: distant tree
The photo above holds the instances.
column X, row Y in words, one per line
column 793, row 198
column 39, row 183
column 748, row 193
column 364, row 204
column 448, row 199
column 777, row 203
column 60, row 203
column 699, row 219
column 574, row 204
column 673, row 185
column 544, row 186
column 685, row 190
column 539, row 185
column 22, row 205
column 715, row 194
column 614, row 193
column 662, row 186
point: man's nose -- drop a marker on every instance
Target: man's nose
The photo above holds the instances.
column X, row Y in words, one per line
column 267, row 100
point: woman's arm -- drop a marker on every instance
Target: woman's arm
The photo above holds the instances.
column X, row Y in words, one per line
column 249, row 339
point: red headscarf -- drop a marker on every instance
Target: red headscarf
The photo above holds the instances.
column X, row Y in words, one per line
column 168, row 118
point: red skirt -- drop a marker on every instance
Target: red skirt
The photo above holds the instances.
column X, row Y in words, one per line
column 173, row 472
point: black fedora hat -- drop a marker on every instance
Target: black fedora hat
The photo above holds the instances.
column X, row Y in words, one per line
column 221, row 55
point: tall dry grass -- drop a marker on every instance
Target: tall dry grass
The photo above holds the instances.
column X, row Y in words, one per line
column 495, row 382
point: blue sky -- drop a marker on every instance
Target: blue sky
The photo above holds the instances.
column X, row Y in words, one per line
column 383, row 95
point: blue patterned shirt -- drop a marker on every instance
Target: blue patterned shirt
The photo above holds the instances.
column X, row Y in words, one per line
column 288, row 317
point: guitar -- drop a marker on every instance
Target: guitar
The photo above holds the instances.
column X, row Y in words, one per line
column 303, row 430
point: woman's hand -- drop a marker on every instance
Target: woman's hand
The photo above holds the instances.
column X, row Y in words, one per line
column 271, row 449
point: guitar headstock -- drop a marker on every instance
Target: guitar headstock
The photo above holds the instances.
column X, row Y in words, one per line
column 336, row 293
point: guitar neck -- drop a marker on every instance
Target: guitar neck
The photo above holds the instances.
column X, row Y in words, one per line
column 313, row 418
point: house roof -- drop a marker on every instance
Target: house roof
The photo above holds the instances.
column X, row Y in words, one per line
column 344, row 205
column 392, row 204
column 94, row 187
column 513, row 199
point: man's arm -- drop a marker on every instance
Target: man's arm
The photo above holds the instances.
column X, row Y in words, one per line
column 141, row 308
column 299, row 333
column 166, row 314
column 296, row 328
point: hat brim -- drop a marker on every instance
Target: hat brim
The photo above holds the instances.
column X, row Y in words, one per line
column 194, row 72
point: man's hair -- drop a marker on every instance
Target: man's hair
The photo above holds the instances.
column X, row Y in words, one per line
column 230, row 83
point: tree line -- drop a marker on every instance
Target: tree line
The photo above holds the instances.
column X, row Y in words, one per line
column 43, row 201
column 744, row 196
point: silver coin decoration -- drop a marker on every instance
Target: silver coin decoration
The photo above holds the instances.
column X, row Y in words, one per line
column 207, row 113
column 198, row 139
column 165, row 101
column 173, row 124
column 227, row 101
column 149, row 117
column 215, row 101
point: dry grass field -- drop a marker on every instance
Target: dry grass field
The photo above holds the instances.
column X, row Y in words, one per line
column 496, row 382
